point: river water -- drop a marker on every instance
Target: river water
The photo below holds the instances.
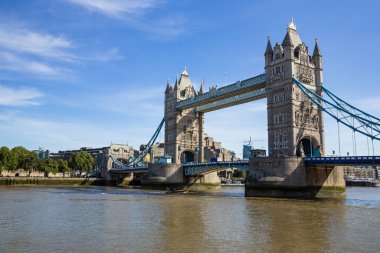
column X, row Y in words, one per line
column 97, row 219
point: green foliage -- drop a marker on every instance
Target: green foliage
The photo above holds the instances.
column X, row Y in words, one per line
column 239, row 173
column 22, row 156
column 31, row 162
column 50, row 165
column 63, row 166
column 82, row 162
column 7, row 159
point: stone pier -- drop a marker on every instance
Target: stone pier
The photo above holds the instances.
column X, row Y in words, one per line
column 289, row 177
column 171, row 176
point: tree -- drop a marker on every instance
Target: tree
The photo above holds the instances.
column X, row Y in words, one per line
column 31, row 162
column 63, row 166
column 21, row 155
column 82, row 162
column 51, row 166
column 5, row 154
column 25, row 159
column 239, row 173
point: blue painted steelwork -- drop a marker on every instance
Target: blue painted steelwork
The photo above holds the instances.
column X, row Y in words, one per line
column 343, row 112
column 137, row 161
column 194, row 169
column 344, row 160
column 217, row 94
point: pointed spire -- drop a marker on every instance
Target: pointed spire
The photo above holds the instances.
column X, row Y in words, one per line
column 202, row 89
column 176, row 83
column 317, row 51
column 291, row 38
column 167, row 86
column 291, row 25
column 269, row 49
column 184, row 72
column 287, row 40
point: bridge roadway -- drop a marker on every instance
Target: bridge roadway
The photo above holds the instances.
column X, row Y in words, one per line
column 194, row 169
column 237, row 93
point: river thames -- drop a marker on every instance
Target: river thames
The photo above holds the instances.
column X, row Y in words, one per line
column 97, row 219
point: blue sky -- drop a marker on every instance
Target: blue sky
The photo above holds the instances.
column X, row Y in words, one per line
column 77, row 73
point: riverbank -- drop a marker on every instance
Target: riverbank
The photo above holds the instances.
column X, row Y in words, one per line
column 46, row 181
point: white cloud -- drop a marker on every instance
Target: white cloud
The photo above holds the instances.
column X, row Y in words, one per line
column 38, row 44
column 27, row 51
column 12, row 62
column 117, row 9
column 19, row 96
column 131, row 12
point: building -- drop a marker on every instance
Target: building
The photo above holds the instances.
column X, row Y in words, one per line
column 101, row 155
column 157, row 151
column 247, row 151
column 183, row 131
column 258, row 153
column 213, row 150
column 42, row 153
column 295, row 124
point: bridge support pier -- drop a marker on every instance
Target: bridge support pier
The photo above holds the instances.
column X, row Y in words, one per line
column 289, row 177
column 207, row 182
column 162, row 176
column 171, row 176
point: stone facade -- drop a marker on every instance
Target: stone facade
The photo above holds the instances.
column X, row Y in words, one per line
column 295, row 124
column 360, row 172
column 214, row 150
column 289, row 177
column 181, row 126
column 162, row 174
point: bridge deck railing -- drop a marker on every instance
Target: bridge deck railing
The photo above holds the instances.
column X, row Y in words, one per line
column 344, row 160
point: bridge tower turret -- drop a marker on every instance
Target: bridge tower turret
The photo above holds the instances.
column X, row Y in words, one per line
column 181, row 126
column 295, row 125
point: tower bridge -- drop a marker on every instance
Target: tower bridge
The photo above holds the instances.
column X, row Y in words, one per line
column 296, row 106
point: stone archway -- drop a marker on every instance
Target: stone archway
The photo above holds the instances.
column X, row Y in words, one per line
column 187, row 157
column 308, row 146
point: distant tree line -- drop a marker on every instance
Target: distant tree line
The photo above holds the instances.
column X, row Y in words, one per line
column 21, row 158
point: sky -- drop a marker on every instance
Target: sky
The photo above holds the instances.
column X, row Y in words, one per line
column 88, row 73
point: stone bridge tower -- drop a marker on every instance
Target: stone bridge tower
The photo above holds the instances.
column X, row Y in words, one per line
column 182, row 126
column 295, row 124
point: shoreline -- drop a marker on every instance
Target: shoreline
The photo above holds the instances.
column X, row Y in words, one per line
column 45, row 181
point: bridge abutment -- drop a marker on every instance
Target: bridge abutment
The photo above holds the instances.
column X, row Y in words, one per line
column 209, row 181
column 289, row 177
column 163, row 176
